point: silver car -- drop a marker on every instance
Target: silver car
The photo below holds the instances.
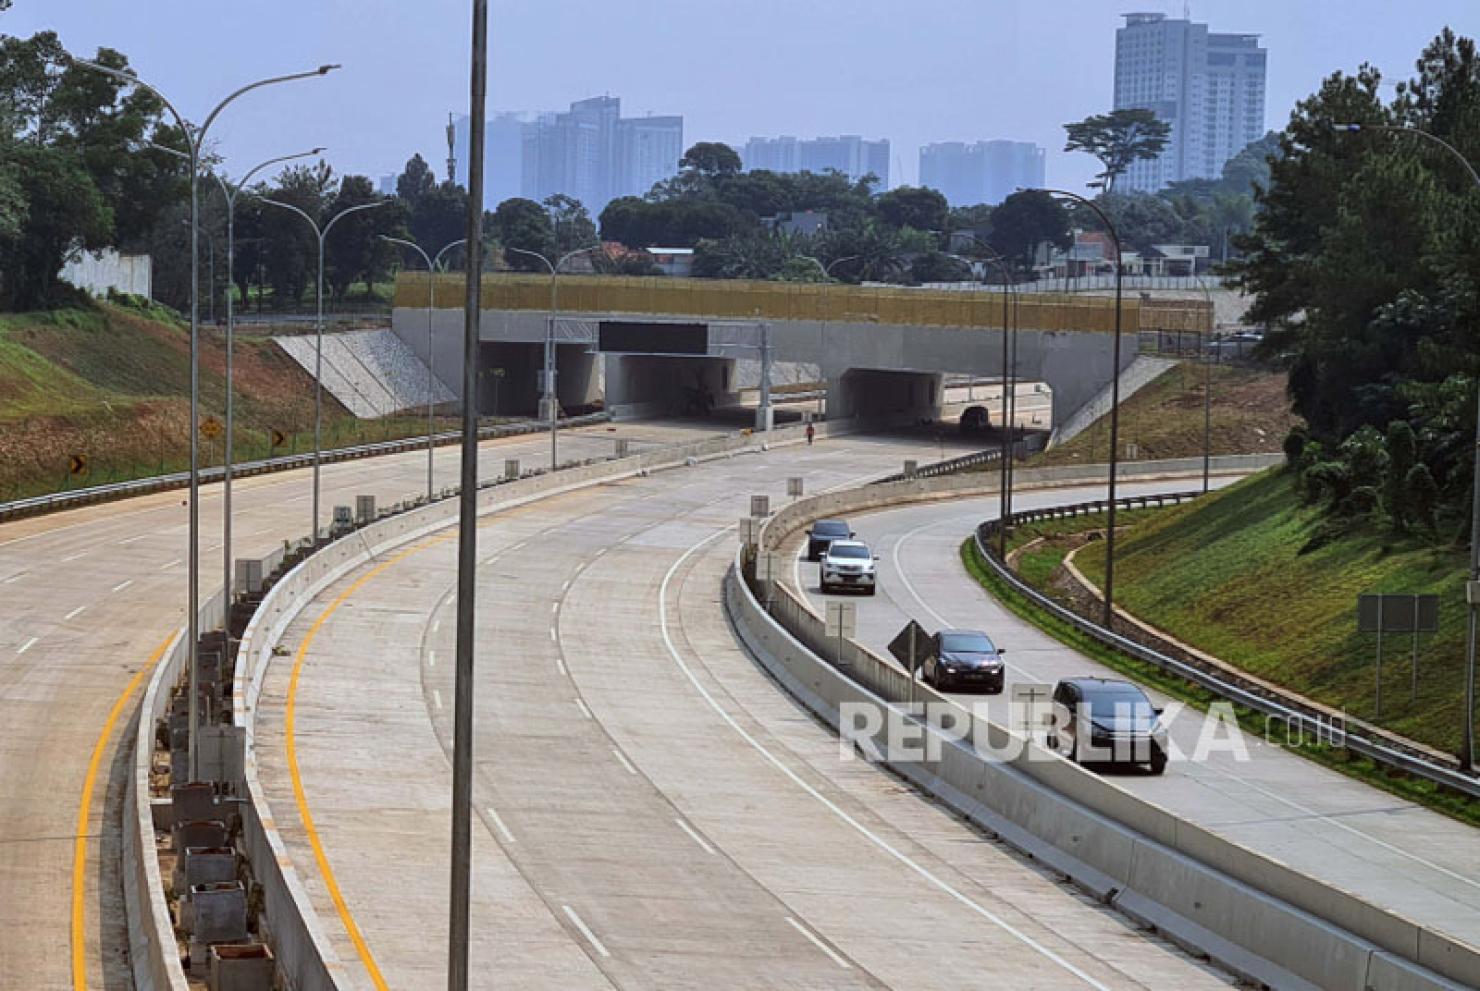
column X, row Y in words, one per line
column 848, row 564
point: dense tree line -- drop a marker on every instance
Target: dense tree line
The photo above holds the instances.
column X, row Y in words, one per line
column 1364, row 261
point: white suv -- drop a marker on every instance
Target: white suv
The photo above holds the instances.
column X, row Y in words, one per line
column 848, row 564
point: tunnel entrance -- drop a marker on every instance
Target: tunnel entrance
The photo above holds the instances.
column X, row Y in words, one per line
column 649, row 385
column 874, row 393
column 509, row 377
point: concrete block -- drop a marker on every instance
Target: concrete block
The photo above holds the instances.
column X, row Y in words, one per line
column 205, row 865
column 218, row 912
column 193, row 801
column 247, row 967
column 198, row 833
column 161, row 813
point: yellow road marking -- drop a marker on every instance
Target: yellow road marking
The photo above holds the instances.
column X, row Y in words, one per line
column 84, row 815
column 300, row 797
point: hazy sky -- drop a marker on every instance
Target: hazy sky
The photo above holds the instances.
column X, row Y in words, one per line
column 913, row 71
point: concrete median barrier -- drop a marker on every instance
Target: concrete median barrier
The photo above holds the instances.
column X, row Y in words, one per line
column 1257, row 917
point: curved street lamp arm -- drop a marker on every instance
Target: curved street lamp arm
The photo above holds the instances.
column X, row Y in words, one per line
column 275, row 161
column 354, row 209
column 322, row 70
column 1109, row 227
column 133, row 80
column 460, row 242
column 407, row 244
column 571, row 254
column 533, row 254
column 288, row 206
column 1418, row 132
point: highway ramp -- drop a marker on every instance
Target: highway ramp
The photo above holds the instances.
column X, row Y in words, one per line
column 1393, row 853
column 87, row 599
column 655, row 812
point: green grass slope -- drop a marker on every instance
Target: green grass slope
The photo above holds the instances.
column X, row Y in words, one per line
column 1231, row 574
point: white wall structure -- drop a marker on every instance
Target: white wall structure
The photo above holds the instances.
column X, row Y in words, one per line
column 98, row 272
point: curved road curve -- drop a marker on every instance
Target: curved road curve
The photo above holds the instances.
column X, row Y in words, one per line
column 656, row 813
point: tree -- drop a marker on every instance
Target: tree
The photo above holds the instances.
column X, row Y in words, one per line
column 291, row 257
column 524, row 224
column 354, row 251
column 64, row 208
column 439, row 217
column 1025, row 220
column 1402, row 454
column 416, row 182
column 913, row 206
column 1118, row 139
column 710, row 158
column 570, row 223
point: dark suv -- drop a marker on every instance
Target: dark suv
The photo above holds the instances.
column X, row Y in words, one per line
column 1105, row 719
column 824, row 532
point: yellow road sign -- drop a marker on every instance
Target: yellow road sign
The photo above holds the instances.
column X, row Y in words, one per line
column 278, row 440
column 77, row 464
column 210, row 428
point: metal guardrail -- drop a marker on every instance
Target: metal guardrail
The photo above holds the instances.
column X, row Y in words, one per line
column 948, row 467
column 1312, row 723
column 37, row 505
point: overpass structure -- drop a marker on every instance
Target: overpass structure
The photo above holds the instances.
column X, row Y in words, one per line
column 651, row 345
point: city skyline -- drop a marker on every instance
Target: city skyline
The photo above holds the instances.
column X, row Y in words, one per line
column 404, row 67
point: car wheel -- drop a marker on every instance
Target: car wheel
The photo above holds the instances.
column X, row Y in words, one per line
column 1158, row 760
column 1074, row 750
column 995, row 689
column 870, row 590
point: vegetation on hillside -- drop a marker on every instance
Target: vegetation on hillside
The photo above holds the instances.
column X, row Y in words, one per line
column 1245, row 575
column 1250, row 415
column 1365, row 264
column 112, row 383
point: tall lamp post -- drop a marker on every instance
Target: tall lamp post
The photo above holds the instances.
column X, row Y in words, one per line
column 1472, row 588
column 552, row 403
column 1109, row 611
column 1009, row 386
column 432, row 262
column 195, row 138
column 230, row 195
column 1207, row 383
column 322, row 233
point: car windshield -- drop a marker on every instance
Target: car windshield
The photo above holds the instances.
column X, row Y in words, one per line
column 851, row 550
column 1111, row 700
column 966, row 643
column 830, row 528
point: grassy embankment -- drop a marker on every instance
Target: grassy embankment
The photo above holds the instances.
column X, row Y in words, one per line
column 112, row 382
column 1238, row 575
column 1165, row 419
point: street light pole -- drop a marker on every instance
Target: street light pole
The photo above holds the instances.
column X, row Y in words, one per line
column 552, row 402
column 318, row 361
column 1472, row 589
column 459, row 888
column 230, row 196
column 431, row 263
column 1108, row 615
column 1009, row 386
column 1207, row 358
column 195, row 137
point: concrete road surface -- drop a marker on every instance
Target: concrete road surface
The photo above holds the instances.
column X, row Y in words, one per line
column 653, row 811
column 1395, row 854
column 87, row 600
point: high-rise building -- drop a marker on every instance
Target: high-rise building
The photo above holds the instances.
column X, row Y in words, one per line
column 1208, row 87
column 849, row 154
column 589, row 152
column 984, row 172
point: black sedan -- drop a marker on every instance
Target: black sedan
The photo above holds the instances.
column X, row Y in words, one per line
column 965, row 659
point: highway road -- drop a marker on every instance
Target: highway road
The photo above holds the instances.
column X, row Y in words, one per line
column 1368, row 842
column 654, row 812
column 88, row 598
